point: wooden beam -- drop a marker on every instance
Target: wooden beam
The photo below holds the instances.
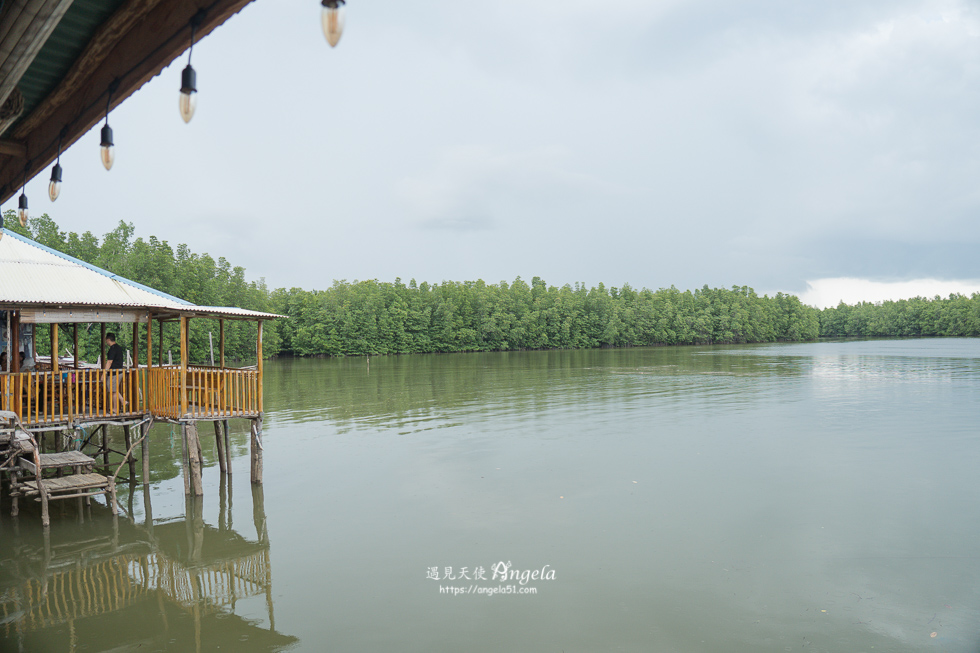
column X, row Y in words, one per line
column 74, row 338
column 13, row 148
column 50, row 316
column 132, row 47
column 102, row 347
column 221, row 341
column 24, row 28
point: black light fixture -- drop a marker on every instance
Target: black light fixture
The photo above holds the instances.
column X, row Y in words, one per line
column 54, row 186
column 22, row 202
column 188, row 78
column 333, row 20
column 107, row 150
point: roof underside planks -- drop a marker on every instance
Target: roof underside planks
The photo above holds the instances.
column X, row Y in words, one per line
column 129, row 46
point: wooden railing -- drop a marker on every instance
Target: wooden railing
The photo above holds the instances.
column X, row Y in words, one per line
column 211, row 392
column 47, row 398
column 42, row 398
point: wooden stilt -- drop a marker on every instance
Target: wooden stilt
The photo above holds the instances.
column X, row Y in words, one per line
column 145, row 451
column 256, row 450
column 185, row 467
column 227, row 447
column 127, row 434
column 194, row 459
column 105, row 445
column 219, row 441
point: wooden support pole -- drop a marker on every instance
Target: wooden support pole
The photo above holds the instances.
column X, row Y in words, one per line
column 194, row 458
column 74, row 338
column 135, row 400
column 149, row 341
column 256, row 450
column 222, row 464
column 15, row 339
column 145, row 451
column 183, row 365
column 258, row 348
column 54, row 347
column 161, row 343
column 224, row 425
column 102, row 347
column 128, row 436
column 105, row 445
column 184, row 460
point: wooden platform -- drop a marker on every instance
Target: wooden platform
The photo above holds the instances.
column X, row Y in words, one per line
column 74, row 483
column 72, row 459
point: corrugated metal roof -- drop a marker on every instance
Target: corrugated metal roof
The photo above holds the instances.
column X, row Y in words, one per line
column 34, row 275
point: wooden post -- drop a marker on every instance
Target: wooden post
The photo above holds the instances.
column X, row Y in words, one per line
column 184, row 460
column 128, row 436
column 135, row 400
column 256, row 450
column 183, row 365
column 224, row 425
column 105, row 445
column 258, row 348
column 74, row 338
column 161, row 343
column 222, row 464
column 54, row 347
column 14, row 363
column 221, row 341
column 194, row 458
column 145, row 450
column 102, row 347
column 149, row 340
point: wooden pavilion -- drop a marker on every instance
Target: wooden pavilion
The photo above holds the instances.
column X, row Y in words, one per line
column 43, row 288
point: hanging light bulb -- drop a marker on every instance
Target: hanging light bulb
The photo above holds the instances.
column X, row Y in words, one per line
column 54, row 186
column 188, row 78
column 333, row 20
column 188, row 93
column 108, row 150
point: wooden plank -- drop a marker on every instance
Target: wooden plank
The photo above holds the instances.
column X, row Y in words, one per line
column 71, row 482
column 24, row 29
column 13, row 148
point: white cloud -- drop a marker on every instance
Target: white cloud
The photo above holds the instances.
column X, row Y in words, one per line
column 829, row 292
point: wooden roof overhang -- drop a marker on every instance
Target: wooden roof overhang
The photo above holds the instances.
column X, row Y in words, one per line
column 66, row 54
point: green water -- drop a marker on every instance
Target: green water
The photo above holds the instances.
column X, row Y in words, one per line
column 814, row 497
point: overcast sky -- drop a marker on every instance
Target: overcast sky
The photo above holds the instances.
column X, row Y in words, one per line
column 766, row 143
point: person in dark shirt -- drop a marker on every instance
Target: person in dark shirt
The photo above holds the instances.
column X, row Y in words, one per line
column 114, row 361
